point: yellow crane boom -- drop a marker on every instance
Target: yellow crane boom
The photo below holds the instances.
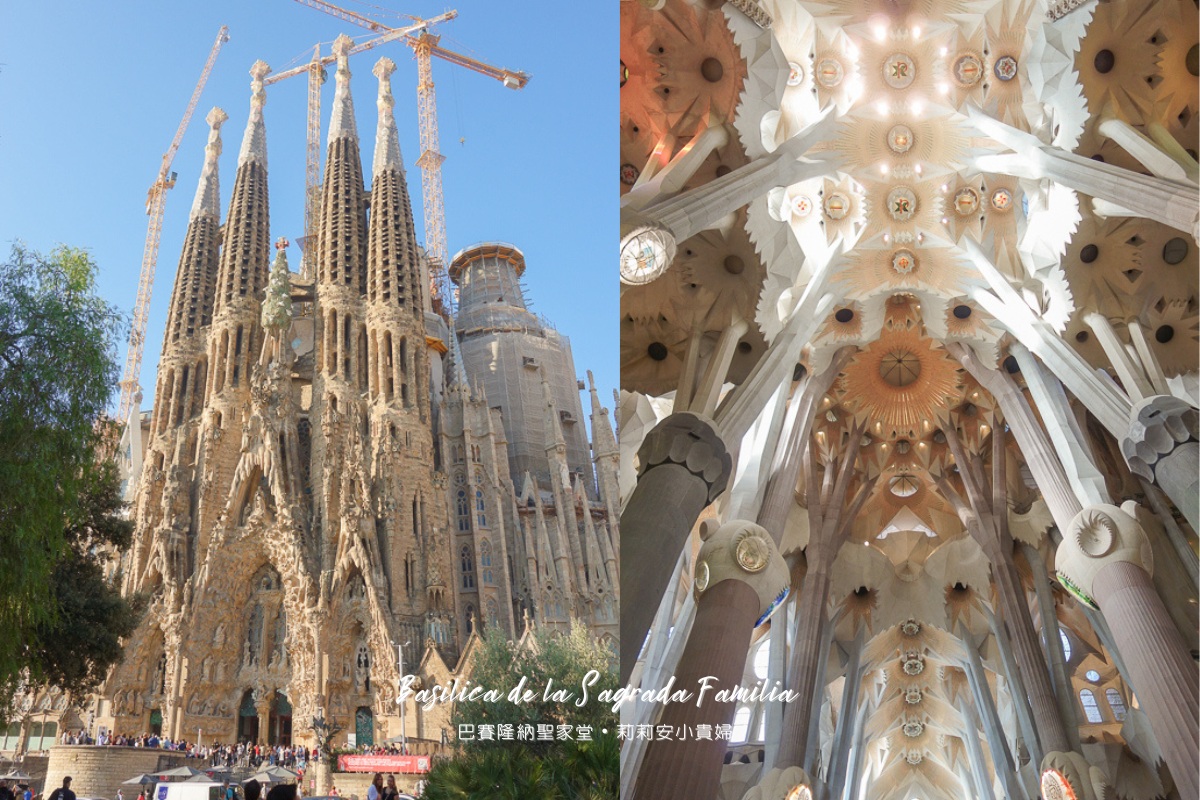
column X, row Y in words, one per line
column 426, row 47
column 156, row 201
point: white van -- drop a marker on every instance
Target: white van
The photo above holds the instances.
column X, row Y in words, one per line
column 187, row 790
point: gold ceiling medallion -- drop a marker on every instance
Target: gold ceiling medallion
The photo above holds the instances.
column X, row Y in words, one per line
column 902, row 203
column 1006, row 68
column 900, row 139
column 837, row 205
column 899, row 71
column 795, row 74
column 904, row 262
column 830, row 73
column 968, row 69
column 802, row 205
column 753, row 554
column 966, row 201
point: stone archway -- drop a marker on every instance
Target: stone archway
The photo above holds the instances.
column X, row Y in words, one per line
column 247, row 723
column 279, row 723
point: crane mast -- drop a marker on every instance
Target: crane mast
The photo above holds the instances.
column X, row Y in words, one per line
column 156, row 201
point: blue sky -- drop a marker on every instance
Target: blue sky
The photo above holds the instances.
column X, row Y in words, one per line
column 91, row 94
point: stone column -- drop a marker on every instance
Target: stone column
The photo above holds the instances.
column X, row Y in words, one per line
column 1106, row 560
column 740, row 580
column 1002, row 759
column 683, row 467
column 846, row 719
column 1016, row 689
column 1162, row 447
column 263, row 707
column 1053, row 644
column 324, row 778
column 1140, row 146
column 971, row 736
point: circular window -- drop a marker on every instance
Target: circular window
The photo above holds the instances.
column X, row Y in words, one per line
column 1089, row 253
column 1011, row 366
column 629, row 174
column 1082, row 337
column 1164, row 334
column 1193, row 60
column 657, row 351
column 734, row 265
column 962, row 312
column 1104, row 61
column 712, row 70
column 1092, row 676
column 844, row 315
column 624, row 73
column 1175, row 251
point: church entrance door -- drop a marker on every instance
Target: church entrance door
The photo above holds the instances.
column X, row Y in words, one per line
column 364, row 726
column 280, row 721
column 247, row 719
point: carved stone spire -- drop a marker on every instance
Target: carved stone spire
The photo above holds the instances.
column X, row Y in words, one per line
column 208, row 193
column 342, row 123
column 387, row 141
column 254, row 141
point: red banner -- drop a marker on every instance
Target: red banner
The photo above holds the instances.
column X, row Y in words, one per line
column 403, row 764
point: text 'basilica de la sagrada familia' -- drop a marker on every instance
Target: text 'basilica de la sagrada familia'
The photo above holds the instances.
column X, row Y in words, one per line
column 330, row 473
column 909, row 371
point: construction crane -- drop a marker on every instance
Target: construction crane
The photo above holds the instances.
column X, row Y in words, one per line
column 315, row 70
column 426, row 47
column 156, row 201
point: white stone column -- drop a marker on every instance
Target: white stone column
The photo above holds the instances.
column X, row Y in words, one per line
column 1161, row 446
column 1140, row 146
column 671, row 178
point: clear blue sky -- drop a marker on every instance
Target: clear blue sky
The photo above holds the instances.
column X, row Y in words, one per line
column 91, row 94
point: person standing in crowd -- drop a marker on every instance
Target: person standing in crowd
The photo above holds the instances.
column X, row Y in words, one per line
column 376, row 788
column 390, row 792
column 63, row 792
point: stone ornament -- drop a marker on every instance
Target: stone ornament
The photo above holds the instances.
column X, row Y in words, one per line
column 900, row 139
column 837, row 205
column 899, row 71
column 968, row 69
column 795, row 74
column 910, row 627
column 912, row 696
column 913, row 664
column 913, row 728
column 1098, row 536
column 629, row 174
column 830, row 73
column 692, row 442
column 904, row 262
column 902, row 203
column 744, row 551
column 792, row 783
column 1068, row 776
column 1005, row 68
column 802, row 205
column 914, row 756
column 1002, row 200
column 645, row 254
column 966, row 201
column 1158, row 426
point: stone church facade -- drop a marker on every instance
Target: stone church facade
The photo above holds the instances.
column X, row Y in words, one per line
column 325, row 482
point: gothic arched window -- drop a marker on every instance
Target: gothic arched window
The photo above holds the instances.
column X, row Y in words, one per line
column 468, row 567
column 1116, row 703
column 1090, row 708
column 464, row 511
column 741, row 726
column 480, row 515
column 485, row 561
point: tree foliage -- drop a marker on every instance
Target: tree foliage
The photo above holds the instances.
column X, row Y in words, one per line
column 60, row 508
column 571, row 769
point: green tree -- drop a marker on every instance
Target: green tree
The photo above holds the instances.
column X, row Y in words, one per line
column 59, row 506
column 570, row 769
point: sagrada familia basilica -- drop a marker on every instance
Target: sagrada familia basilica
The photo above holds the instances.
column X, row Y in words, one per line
column 909, row 370
column 335, row 486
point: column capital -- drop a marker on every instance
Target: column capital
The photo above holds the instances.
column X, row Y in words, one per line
column 1097, row 537
column 743, row 551
column 1157, row 426
column 692, row 442
column 1066, row 775
column 790, row 783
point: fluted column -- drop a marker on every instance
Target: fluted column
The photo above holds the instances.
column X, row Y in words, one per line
column 683, row 467
column 1002, row 759
column 740, row 580
column 1058, row 667
column 1106, row 561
